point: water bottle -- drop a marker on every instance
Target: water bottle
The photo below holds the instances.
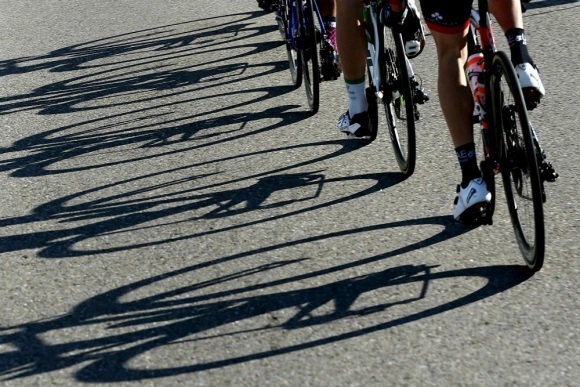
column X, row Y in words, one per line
column 475, row 66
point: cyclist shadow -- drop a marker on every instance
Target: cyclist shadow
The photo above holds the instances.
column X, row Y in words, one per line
column 191, row 313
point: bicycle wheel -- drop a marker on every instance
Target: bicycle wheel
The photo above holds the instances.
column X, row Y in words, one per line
column 517, row 155
column 282, row 18
column 372, row 90
column 310, row 40
column 398, row 102
column 285, row 18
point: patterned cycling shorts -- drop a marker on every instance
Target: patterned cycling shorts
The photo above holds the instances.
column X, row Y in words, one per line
column 446, row 16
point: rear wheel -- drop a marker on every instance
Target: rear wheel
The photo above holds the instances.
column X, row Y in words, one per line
column 372, row 90
column 310, row 38
column 398, row 102
column 285, row 18
column 518, row 161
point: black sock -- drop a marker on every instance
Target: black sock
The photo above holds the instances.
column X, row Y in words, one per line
column 518, row 47
column 468, row 163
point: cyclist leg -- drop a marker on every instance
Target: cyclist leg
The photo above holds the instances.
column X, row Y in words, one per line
column 330, row 66
column 453, row 90
column 449, row 28
column 328, row 13
column 508, row 14
column 327, row 7
column 351, row 39
column 352, row 48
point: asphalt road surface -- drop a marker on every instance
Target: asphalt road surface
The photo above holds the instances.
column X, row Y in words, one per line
column 170, row 213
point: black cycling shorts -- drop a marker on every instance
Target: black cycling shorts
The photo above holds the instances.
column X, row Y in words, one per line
column 446, row 16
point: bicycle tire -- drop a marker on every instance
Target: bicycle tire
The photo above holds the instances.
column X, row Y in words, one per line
column 398, row 94
column 309, row 57
column 372, row 89
column 282, row 18
column 294, row 60
column 518, row 163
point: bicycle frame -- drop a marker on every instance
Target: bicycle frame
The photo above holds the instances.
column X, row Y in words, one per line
column 296, row 26
column 375, row 43
column 484, row 27
column 319, row 17
column 482, row 40
column 292, row 32
column 372, row 43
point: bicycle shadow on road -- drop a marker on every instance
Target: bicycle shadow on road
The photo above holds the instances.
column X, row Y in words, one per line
column 47, row 149
column 208, row 313
column 142, row 77
column 158, row 39
column 162, row 202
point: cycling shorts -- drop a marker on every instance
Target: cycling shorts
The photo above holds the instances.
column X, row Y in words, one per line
column 446, row 16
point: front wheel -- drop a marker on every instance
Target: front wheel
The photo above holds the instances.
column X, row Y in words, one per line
column 518, row 162
column 398, row 102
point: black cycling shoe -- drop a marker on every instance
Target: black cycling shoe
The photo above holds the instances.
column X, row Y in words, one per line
column 268, row 5
column 358, row 127
column 330, row 64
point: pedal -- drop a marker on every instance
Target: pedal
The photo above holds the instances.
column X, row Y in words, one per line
column 547, row 172
column 531, row 97
column 477, row 215
column 419, row 96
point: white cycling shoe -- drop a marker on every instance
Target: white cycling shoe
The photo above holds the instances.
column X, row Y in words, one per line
column 530, row 78
column 473, row 198
column 412, row 29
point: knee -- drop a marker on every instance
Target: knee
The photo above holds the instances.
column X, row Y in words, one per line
column 451, row 47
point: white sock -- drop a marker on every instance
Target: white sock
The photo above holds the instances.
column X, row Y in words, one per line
column 357, row 99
